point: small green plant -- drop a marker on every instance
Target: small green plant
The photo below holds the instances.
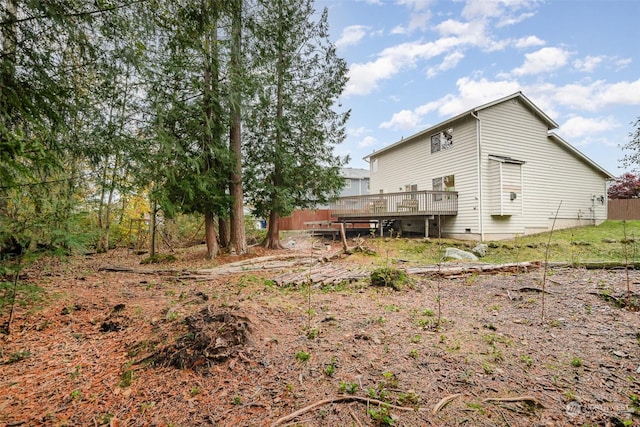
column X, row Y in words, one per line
column 415, row 339
column 428, row 312
column 126, row 378
column 237, row 400
column 635, row 403
column 487, row 369
column 381, row 415
column 477, row 407
column 302, row 356
column 312, row 333
column 18, row 356
column 76, row 373
column 76, row 393
column 576, row 362
column 390, row 379
column 413, row 353
column 105, row 419
column 527, row 360
column 389, row 277
column 409, row 398
column 196, row 390
column 349, row 388
column 172, row 315
column 330, row 368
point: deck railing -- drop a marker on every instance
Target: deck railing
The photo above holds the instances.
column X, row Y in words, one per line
column 413, row 203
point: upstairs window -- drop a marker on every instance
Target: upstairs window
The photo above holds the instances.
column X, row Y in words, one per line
column 442, row 140
column 347, row 183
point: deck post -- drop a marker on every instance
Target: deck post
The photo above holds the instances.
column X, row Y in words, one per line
column 426, row 227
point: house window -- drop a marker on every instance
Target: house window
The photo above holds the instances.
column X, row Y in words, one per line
column 374, row 165
column 449, row 183
column 347, row 183
column 442, row 140
column 445, row 183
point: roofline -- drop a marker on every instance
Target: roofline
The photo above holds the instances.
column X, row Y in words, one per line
column 580, row 155
column 550, row 123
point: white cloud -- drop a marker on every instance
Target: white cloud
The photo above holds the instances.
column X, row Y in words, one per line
column 506, row 12
column 367, row 141
column 359, row 131
column 578, row 126
column 351, row 35
column 530, row 41
column 404, row 119
column 588, row 64
column 450, row 61
column 364, row 78
column 544, row 60
column 622, row 63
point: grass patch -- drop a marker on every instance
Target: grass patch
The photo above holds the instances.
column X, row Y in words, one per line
column 606, row 242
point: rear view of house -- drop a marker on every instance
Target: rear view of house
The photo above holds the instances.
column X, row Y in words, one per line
column 500, row 162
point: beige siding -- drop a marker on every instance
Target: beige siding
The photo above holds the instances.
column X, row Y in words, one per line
column 413, row 163
column 550, row 175
column 504, row 192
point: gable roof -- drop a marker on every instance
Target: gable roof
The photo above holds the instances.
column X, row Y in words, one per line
column 521, row 97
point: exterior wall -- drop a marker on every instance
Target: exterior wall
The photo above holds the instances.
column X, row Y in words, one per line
column 412, row 163
column 355, row 187
column 551, row 174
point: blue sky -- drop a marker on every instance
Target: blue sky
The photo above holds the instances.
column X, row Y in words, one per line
column 415, row 63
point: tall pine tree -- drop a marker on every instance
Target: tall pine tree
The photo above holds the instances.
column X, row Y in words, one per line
column 292, row 124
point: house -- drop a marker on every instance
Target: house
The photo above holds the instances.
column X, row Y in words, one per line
column 356, row 182
column 493, row 172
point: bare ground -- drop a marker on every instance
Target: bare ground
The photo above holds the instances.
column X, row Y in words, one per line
column 234, row 349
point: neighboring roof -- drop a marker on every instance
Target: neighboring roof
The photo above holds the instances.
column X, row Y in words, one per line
column 552, row 136
column 538, row 112
column 354, row 173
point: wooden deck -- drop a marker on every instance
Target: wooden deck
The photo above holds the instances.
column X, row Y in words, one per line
column 395, row 205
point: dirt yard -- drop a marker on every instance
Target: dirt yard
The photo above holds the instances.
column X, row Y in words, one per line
column 190, row 343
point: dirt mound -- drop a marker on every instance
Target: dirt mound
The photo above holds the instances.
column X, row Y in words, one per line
column 211, row 338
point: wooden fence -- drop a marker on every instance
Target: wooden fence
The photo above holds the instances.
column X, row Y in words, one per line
column 623, row 209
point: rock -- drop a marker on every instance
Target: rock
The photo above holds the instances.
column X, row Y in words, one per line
column 609, row 241
column 455, row 253
column 480, row 250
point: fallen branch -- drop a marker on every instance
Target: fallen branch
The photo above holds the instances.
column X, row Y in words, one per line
column 443, row 402
column 342, row 398
column 455, row 269
column 527, row 399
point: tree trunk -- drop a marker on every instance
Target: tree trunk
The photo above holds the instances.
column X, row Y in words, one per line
column 224, row 232
column 238, row 242
column 152, row 229
column 210, row 235
column 272, row 240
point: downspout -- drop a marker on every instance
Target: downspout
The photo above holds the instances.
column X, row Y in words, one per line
column 479, row 169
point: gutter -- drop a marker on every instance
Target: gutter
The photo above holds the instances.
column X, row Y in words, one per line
column 474, row 114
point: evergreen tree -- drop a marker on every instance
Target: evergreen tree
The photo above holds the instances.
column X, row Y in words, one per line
column 292, row 125
column 190, row 165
